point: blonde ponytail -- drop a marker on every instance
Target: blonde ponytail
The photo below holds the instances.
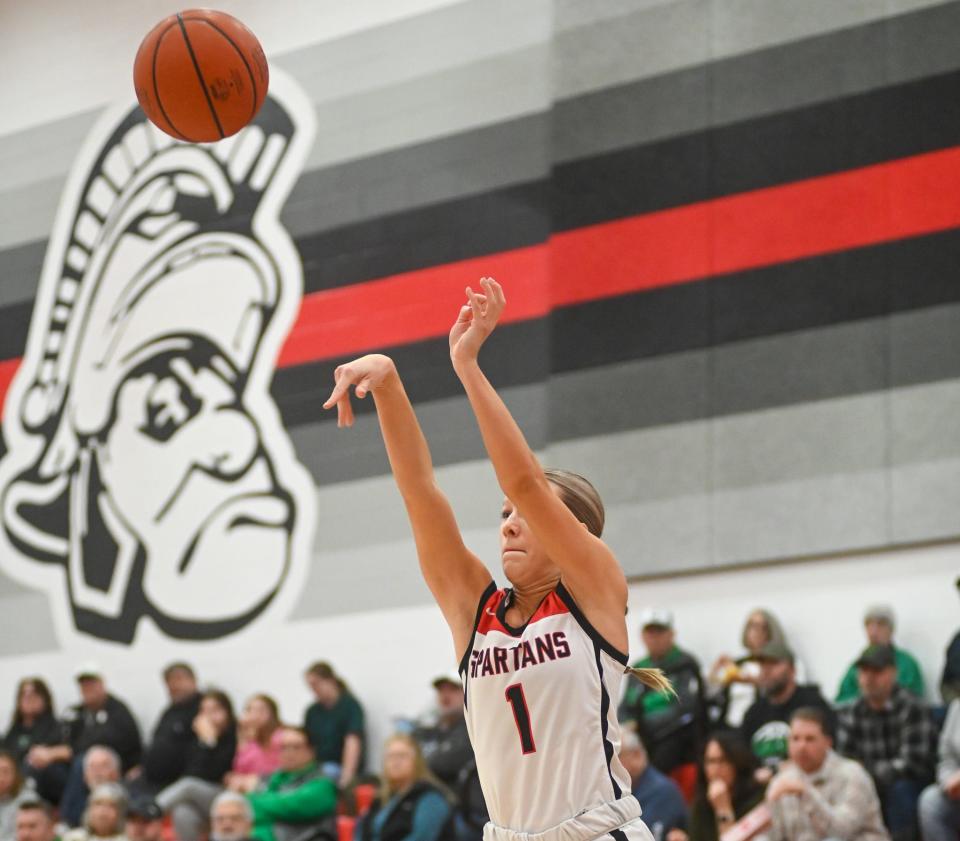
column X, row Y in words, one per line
column 653, row 678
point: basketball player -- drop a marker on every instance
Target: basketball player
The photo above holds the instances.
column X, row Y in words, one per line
column 542, row 660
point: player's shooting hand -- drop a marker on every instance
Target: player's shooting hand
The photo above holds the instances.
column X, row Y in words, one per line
column 367, row 374
column 476, row 320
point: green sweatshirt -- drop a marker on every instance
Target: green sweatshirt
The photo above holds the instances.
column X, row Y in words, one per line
column 301, row 796
column 908, row 676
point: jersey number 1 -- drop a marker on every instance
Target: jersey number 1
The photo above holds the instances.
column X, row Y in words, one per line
column 518, row 703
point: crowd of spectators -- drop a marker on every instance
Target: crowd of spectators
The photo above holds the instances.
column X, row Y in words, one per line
column 748, row 749
column 206, row 772
column 759, row 752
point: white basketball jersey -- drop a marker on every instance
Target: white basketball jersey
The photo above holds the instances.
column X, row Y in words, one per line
column 541, row 711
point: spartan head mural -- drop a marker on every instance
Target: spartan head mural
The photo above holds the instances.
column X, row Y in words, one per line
column 147, row 473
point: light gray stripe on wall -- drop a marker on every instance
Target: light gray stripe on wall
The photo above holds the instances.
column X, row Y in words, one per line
column 796, row 481
column 570, row 14
column 776, row 484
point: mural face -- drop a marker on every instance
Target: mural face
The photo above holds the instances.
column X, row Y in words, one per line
column 147, row 472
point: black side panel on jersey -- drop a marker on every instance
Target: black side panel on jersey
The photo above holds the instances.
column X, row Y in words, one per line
column 464, row 661
column 604, row 712
column 590, row 631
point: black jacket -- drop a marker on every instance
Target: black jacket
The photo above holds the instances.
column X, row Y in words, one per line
column 165, row 759
column 766, row 726
column 113, row 726
column 211, row 763
column 46, row 730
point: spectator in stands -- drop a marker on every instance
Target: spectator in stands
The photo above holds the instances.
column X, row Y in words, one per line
column 819, row 795
column 104, row 816
column 879, row 623
column 208, row 759
column 733, row 684
column 164, row 759
column 765, row 725
column 445, row 745
column 33, row 733
column 890, row 732
column 940, row 802
column 12, row 793
column 950, row 682
column 671, row 726
column 144, row 821
column 410, row 803
column 34, row 722
column 100, row 719
column 444, row 741
column 295, row 797
column 101, row 765
column 231, row 818
column 335, row 724
column 258, row 751
column 727, row 791
column 34, row 822
column 663, row 806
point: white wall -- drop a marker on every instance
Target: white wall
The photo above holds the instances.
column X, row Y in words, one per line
column 89, row 47
column 389, row 657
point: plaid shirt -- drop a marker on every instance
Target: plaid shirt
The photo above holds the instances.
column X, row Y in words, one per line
column 895, row 742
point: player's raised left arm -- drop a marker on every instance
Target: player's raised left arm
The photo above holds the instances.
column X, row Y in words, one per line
column 588, row 567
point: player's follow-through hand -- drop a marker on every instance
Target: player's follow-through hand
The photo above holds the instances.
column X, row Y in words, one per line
column 476, row 320
column 366, row 373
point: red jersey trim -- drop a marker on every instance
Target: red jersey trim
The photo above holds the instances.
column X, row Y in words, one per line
column 492, row 613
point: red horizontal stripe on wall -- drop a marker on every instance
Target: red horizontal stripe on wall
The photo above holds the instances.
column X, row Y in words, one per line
column 895, row 200
column 412, row 306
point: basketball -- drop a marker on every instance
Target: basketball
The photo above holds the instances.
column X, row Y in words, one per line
column 200, row 75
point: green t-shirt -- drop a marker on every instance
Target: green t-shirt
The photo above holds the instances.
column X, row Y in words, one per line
column 653, row 702
column 329, row 727
column 909, row 677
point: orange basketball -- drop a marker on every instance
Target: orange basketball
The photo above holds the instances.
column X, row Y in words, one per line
column 200, row 75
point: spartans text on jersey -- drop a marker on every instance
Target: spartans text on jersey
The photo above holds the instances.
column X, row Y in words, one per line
column 497, row 660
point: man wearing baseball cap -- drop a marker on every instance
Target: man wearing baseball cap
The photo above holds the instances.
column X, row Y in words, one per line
column 671, row 726
column 766, row 725
column 99, row 719
column 449, row 755
column 890, row 732
column 879, row 623
column 144, row 820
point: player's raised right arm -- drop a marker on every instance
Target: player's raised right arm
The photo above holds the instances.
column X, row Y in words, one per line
column 455, row 576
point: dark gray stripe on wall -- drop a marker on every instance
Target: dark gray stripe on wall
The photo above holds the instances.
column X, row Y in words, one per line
column 806, row 366
column 20, row 268
column 817, row 69
column 464, row 164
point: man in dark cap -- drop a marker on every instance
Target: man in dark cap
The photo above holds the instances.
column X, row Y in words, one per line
column 144, row 820
column 766, row 724
column 879, row 623
column 890, row 732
